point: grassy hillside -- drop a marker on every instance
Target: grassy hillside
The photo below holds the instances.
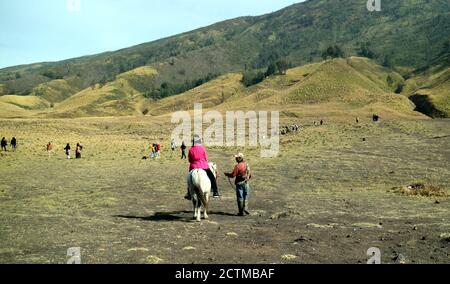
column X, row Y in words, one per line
column 11, row 111
column 432, row 92
column 352, row 86
column 54, row 91
column 405, row 33
column 120, row 97
column 27, row 103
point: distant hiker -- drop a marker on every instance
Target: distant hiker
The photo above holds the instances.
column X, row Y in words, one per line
column 14, row 143
column 183, row 151
column 49, row 148
column 375, row 118
column 158, row 150
column 173, row 145
column 153, row 149
column 67, row 150
column 321, row 122
column 4, row 144
column 78, row 151
column 243, row 175
column 198, row 159
column 357, row 119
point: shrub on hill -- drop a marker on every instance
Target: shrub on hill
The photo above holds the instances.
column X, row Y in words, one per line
column 253, row 77
column 168, row 89
column 333, row 51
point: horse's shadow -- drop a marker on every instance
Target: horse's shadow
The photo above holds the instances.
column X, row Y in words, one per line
column 171, row 216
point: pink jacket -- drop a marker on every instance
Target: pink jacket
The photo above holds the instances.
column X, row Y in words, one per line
column 198, row 158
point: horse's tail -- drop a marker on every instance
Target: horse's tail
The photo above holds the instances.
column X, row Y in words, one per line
column 199, row 193
column 200, row 196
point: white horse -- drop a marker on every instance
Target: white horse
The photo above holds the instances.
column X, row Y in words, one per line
column 200, row 188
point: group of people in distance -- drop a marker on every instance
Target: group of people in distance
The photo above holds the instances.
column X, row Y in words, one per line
column 289, row 128
column 49, row 147
column 173, row 146
column 183, row 148
column 68, row 149
column 321, row 122
column 155, row 150
column 4, row 144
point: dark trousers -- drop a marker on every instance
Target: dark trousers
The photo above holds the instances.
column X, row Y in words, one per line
column 183, row 154
column 213, row 180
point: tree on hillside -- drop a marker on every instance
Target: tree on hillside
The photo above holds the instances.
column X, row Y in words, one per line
column 333, row 51
column 279, row 67
column 282, row 67
column 122, row 68
column 164, row 85
column 446, row 46
column 387, row 62
column 167, row 89
column 103, row 81
column 271, row 69
column 446, row 52
column 252, row 78
column 52, row 75
column 365, row 51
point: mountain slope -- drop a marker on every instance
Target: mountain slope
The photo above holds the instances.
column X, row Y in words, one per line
column 409, row 33
column 348, row 85
column 354, row 84
column 119, row 97
column 432, row 92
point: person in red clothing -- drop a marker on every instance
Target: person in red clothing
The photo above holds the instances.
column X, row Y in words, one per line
column 158, row 150
column 198, row 159
column 242, row 174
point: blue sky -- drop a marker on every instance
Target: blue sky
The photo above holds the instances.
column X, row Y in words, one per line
column 51, row 30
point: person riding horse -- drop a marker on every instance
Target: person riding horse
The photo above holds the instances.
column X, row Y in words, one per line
column 198, row 159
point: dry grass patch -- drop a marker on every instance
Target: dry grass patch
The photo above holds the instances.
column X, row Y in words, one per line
column 420, row 189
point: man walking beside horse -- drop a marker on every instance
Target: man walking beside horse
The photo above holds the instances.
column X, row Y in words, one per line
column 243, row 175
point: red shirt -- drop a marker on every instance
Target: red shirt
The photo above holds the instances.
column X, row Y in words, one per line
column 240, row 172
